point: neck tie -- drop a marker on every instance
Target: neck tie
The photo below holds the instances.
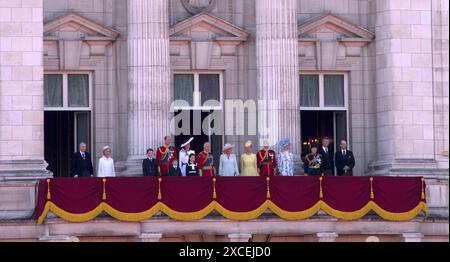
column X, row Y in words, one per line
column 343, row 152
column 82, row 155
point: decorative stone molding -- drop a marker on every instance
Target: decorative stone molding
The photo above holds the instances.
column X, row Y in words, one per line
column 197, row 6
column 150, row 237
column 204, row 42
column 326, row 236
column 62, row 238
column 72, row 41
column 339, row 39
column 239, row 237
column 412, row 237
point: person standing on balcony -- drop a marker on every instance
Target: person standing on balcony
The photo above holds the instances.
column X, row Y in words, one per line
column 185, row 152
column 327, row 157
column 149, row 167
column 345, row 161
column 266, row 160
column 191, row 169
column 205, row 161
column 228, row 164
column 81, row 163
column 313, row 163
column 249, row 165
column 285, row 159
column 106, row 164
column 174, row 169
column 164, row 156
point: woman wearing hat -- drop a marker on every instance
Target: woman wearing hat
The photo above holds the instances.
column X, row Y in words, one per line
column 106, row 164
column 228, row 164
column 285, row 159
column 248, row 161
column 185, row 152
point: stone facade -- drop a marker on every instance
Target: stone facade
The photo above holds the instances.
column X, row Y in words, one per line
column 395, row 55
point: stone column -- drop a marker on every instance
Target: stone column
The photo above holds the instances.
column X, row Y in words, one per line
column 239, row 237
column 406, row 133
column 21, row 90
column 326, row 237
column 278, row 67
column 149, row 77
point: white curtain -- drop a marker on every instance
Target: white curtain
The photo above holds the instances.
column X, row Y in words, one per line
column 184, row 87
column 334, row 90
column 53, row 89
column 78, row 90
column 309, row 90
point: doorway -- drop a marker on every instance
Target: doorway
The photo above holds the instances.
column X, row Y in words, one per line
column 318, row 124
column 196, row 118
column 63, row 132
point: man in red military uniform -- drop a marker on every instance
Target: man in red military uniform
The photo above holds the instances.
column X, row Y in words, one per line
column 266, row 161
column 164, row 156
column 205, row 161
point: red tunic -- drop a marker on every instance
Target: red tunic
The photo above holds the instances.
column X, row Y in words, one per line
column 266, row 162
column 205, row 163
column 164, row 156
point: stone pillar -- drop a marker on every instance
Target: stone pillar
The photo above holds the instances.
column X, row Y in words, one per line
column 21, row 90
column 326, row 237
column 239, row 237
column 149, row 78
column 412, row 237
column 153, row 237
column 404, row 87
column 278, row 67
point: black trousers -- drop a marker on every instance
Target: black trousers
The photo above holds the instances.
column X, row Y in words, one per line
column 327, row 172
column 314, row 172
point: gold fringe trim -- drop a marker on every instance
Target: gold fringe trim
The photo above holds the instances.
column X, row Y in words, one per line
column 268, row 204
column 294, row 215
column 268, row 187
column 48, row 189
column 345, row 215
column 242, row 216
column 187, row 216
column 71, row 217
column 131, row 217
column 404, row 216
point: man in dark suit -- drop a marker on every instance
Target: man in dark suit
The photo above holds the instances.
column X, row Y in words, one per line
column 81, row 163
column 149, row 167
column 327, row 157
column 345, row 161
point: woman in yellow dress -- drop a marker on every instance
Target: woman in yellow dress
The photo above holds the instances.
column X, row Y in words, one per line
column 248, row 161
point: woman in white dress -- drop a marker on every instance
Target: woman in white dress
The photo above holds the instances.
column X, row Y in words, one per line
column 106, row 164
column 228, row 164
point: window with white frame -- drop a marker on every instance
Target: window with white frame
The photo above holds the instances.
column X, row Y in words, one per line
column 323, row 91
column 67, row 91
column 197, row 90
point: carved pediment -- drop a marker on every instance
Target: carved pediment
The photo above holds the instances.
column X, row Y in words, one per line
column 330, row 27
column 205, row 27
column 72, row 41
column 204, row 41
column 73, row 26
column 327, row 42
